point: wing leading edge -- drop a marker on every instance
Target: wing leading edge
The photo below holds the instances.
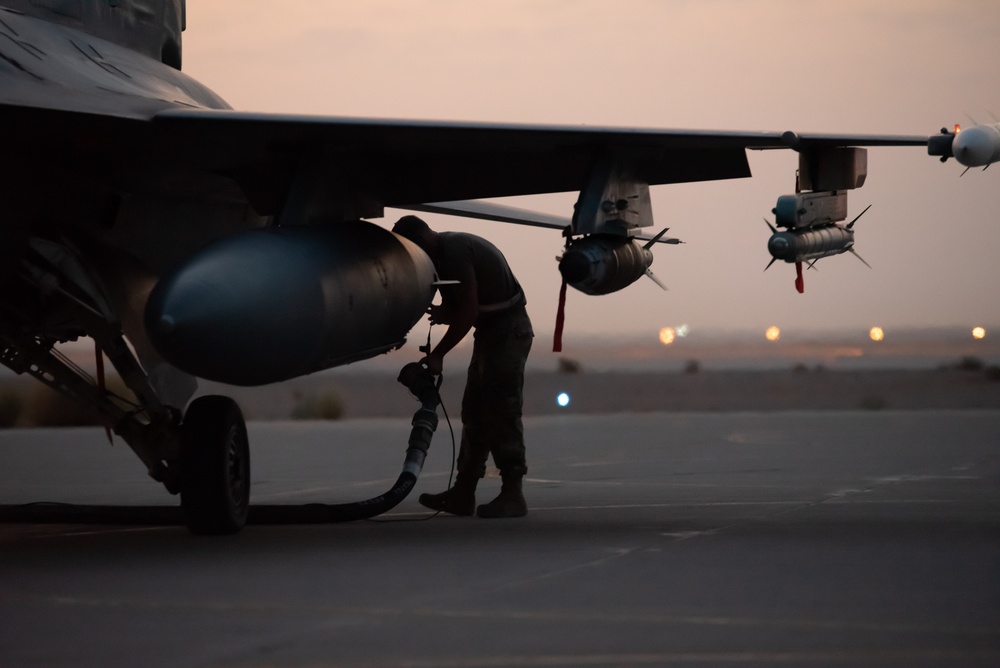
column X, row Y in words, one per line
column 382, row 163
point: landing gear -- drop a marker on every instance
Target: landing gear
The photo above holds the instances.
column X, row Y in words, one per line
column 54, row 296
column 215, row 465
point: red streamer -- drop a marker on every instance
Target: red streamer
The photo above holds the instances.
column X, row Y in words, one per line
column 560, row 320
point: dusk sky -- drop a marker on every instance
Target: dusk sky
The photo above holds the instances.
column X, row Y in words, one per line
column 900, row 67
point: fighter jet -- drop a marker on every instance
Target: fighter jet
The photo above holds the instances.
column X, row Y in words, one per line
column 189, row 240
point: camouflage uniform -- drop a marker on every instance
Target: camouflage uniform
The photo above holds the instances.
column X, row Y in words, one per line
column 472, row 268
column 494, row 394
column 494, row 390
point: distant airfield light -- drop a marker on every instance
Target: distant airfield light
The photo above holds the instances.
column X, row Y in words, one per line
column 772, row 333
column 876, row 334
column 683, row 331
column 667, row 335
column 979, row 333
column 563, row 399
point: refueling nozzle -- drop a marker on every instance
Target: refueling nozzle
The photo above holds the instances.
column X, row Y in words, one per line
column 419, row 381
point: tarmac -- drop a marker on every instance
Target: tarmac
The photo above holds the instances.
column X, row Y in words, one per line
column 805, row 538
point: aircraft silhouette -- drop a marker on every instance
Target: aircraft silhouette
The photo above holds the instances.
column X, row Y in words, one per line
column 191, row 240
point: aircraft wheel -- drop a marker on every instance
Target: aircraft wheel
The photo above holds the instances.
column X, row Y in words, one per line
column 215, row 461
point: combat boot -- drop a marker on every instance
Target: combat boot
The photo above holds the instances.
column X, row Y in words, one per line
column 510, row 502
column 459, row 500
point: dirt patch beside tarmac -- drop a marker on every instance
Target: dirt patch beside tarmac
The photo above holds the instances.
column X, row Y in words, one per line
column 379, row 395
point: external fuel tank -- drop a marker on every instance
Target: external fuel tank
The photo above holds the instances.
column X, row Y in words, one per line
column 268, row 305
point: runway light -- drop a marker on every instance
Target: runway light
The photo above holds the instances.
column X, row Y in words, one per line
column 667, row 335
column 979, row 333
column 876, row 334
column 563, row 399
column 772, row 333
column 683, row 331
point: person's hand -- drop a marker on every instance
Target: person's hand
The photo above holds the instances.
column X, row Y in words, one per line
column 439, row 315
column 434, row 364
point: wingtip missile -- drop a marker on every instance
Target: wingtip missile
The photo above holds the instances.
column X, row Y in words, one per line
column 978, row 146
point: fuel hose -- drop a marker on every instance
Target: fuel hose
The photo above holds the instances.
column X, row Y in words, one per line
column 422, row 385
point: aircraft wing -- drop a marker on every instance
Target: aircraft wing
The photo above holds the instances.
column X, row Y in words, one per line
column 131, row 194
column 392, row 162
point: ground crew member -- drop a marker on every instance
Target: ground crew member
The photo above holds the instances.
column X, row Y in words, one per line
column 488, row 298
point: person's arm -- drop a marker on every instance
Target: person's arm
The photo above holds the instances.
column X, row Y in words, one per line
column 461, row 303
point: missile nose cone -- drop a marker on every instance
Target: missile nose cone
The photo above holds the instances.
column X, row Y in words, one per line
column 647, row 257
column 574, row 266
column 780, row 246
column 977, row 146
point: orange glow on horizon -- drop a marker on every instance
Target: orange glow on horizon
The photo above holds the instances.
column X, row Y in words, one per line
column 979, row 333
column 876, row 334
column 772, row 333
column 667, row 335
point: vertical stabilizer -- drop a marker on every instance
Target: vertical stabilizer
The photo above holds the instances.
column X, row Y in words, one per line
column 151, row 27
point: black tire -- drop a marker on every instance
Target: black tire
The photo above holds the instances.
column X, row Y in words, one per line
column 215, row 466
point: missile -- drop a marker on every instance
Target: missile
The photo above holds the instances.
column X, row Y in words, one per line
column 268, row 305
column 814, row 232
column 812, row 244
column 977, row 146
column 600, row 264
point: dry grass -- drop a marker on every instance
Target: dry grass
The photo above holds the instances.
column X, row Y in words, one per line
column 326, row 406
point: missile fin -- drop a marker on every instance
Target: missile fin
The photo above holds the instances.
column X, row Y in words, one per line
column 652, row 241
column 851, row 224
column 653, row 278
column 855, row 254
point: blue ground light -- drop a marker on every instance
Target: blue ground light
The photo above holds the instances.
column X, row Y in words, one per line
column 563, row 399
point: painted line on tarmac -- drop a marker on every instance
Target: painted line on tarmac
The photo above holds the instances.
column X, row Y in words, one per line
column 720, row 504
column 750, row 657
